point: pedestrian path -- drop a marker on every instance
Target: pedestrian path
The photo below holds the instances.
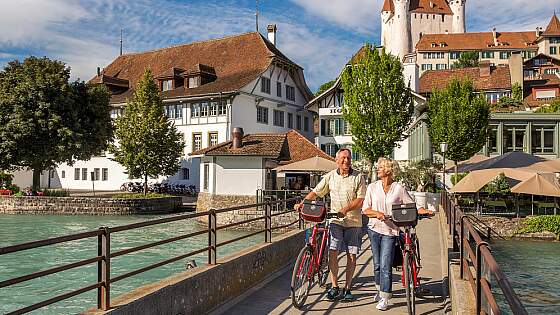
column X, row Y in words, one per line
column 274, row 298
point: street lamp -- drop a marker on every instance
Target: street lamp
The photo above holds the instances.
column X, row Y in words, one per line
column 443, row 149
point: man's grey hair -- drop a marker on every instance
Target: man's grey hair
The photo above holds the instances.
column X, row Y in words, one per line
column 342, row 150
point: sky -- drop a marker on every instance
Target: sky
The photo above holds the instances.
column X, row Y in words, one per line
column 319, row 35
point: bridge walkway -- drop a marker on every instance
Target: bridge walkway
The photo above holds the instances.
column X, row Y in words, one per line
column 274, row 297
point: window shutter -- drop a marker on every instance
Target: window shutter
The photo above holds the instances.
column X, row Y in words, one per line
column 323, row 127
column 323, row 148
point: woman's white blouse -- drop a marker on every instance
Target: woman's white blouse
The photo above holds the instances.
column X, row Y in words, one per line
column 377, row 200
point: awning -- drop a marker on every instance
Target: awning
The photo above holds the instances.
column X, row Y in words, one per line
column 314, row 164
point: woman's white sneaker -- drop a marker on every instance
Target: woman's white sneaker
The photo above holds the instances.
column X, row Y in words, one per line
column 383, row 304
column 376, row 297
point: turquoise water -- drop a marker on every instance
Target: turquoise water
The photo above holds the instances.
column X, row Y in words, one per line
column 533, row 270
column 16, row 229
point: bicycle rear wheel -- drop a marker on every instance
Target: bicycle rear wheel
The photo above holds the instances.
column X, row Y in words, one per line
column 409, row 283
column 301, row 277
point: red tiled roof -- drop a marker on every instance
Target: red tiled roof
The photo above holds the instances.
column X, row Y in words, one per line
column 422, row 6
column 499, row 78
column 287, row 147
column 553, row 28
column 237, row 60
column 477, row 41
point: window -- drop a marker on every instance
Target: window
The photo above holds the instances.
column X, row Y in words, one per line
column 265, row 85
column 206, row 176
column 434, row 55
column 221, row 108
column 262, row 115
column 305, row 123
column 76, row 174
column 197, row 141
column 290, row 120
column 278, row 89
column 167, row 85
column 504, row 54
column 454, row 55
column 553, row 50
column 195, row 110
column 551, row 71
column 331, row 148
column 96, row 173
column 514, row 138
column 104, row 174
column 213, row 109
column 84, row 173
column 488, row 54
column 178, row 111
column 441, row 66
column 170, row 111
column 193, row 82
column 554, row 40
column 493, row 139
column 298, row 122
column 335, row 127
column 278, row 118
column 493, row 97
column 204, row 109
column 426, row 67
column 212, row 138
column 186, row 173
column 542, row 138
column 290, row 93
column 63, row 174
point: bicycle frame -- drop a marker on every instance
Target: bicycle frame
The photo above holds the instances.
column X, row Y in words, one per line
column 318, row 252
column 410, row 247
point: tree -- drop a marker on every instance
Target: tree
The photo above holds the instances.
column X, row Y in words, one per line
column 377, row 103
column 554, row 107
column 458, row 116
column 516, row 99
column 149, row 145
column 467, row 59
column 45, row 120
column 325, row 86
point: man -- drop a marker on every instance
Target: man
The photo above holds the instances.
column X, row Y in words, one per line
column 347, row 191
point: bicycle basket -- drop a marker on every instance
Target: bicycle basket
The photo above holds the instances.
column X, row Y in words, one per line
column 405, row 214
column 314, row 211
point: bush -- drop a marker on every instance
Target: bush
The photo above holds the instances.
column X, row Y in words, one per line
column 56, row 193
column 550, row 223
column 141, row 196
column 14, row 188
column 418, row 176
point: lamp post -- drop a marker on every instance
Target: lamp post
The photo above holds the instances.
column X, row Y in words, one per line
column 443, row 149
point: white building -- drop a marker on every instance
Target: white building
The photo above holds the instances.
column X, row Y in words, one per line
column 207, row 88
column 404, row 22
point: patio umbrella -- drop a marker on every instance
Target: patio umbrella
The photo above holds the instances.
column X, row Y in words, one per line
column 542, row 184
column 511, row 160
column 450, row 165
column 475, row 180
column 546, row 166
column 314, row 164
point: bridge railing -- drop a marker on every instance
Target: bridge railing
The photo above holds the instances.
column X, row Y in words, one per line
column 477, row 264
column 104, row 253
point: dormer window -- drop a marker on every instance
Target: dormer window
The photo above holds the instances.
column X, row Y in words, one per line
column 434, row 44
column 199, row 75
column 167, row 85
column 193, row 82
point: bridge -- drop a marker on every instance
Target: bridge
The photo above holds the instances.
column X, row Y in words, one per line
column 256, row 280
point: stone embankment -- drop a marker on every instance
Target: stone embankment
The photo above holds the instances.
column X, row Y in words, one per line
column 87, row 205
column 512, row 228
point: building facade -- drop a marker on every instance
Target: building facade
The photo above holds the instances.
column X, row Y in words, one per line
column 207, row 88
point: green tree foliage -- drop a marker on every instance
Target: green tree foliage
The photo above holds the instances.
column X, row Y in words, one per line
column 149, row 145
column 543, row 223
column 45, row 120
column 516, row 99
column 377, row 103
column 554, row 107
column 467, row 59
column 458, row 116
column 418, row 176
column 325, row 86
column 498, row 185
column 455, row 178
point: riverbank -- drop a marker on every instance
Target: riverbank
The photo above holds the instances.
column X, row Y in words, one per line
column 512, row 228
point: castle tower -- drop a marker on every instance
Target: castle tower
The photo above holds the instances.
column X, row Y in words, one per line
column 458, row 9
column 400, row 33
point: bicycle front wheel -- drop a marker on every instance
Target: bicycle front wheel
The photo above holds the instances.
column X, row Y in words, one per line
column 301, row 277
column 324, row 267
column 409, row 283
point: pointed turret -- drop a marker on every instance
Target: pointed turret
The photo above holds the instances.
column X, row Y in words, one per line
column 553, row 28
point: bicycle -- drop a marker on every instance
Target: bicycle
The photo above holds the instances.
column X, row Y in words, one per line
column 406, row 216
column 313, row 259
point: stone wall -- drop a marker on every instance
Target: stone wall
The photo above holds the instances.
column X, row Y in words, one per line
column 511, row 228
column 86, row 205
column 206, row 202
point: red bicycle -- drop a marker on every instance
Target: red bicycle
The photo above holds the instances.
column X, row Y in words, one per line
column 313, row 259
column 406, row 217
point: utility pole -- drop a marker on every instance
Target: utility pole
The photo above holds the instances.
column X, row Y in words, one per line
column 257, row 15
column 121, row 43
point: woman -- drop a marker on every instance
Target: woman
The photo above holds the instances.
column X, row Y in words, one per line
column 380, row 198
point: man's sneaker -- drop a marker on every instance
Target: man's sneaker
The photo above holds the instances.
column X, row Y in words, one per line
column 347, row 296
column 383, row 304
column 376, row 297
column 333, row 293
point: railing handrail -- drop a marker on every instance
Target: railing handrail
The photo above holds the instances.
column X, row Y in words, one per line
column 104, row 253
column 480, row 285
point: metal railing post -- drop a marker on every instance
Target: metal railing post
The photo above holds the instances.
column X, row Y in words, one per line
column 454, row 230
column 268, row 223
column 462, row 249
column 104, row 293
column 478, row 276
column 212, row 236
column 285, row 198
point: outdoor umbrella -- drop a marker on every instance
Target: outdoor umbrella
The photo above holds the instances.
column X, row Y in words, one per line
column 314, row 164
column 509, row 160
column 475, row 180
column 546, row 166
column 450, row 165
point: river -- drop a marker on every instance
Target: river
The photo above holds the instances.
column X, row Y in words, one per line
column 533, row 270
column 16, row 229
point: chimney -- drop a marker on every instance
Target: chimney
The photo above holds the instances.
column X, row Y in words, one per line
column 271, row 28
column 495, row 36
column 484, row 67
column 98, row 71
column 431, row 4
column 515, row 62
column 538, row 31
column 237, row 138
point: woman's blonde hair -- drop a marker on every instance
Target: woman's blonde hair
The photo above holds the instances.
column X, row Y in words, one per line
column 390, row 166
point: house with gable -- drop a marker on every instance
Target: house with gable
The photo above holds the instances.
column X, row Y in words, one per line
column 207, row 87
